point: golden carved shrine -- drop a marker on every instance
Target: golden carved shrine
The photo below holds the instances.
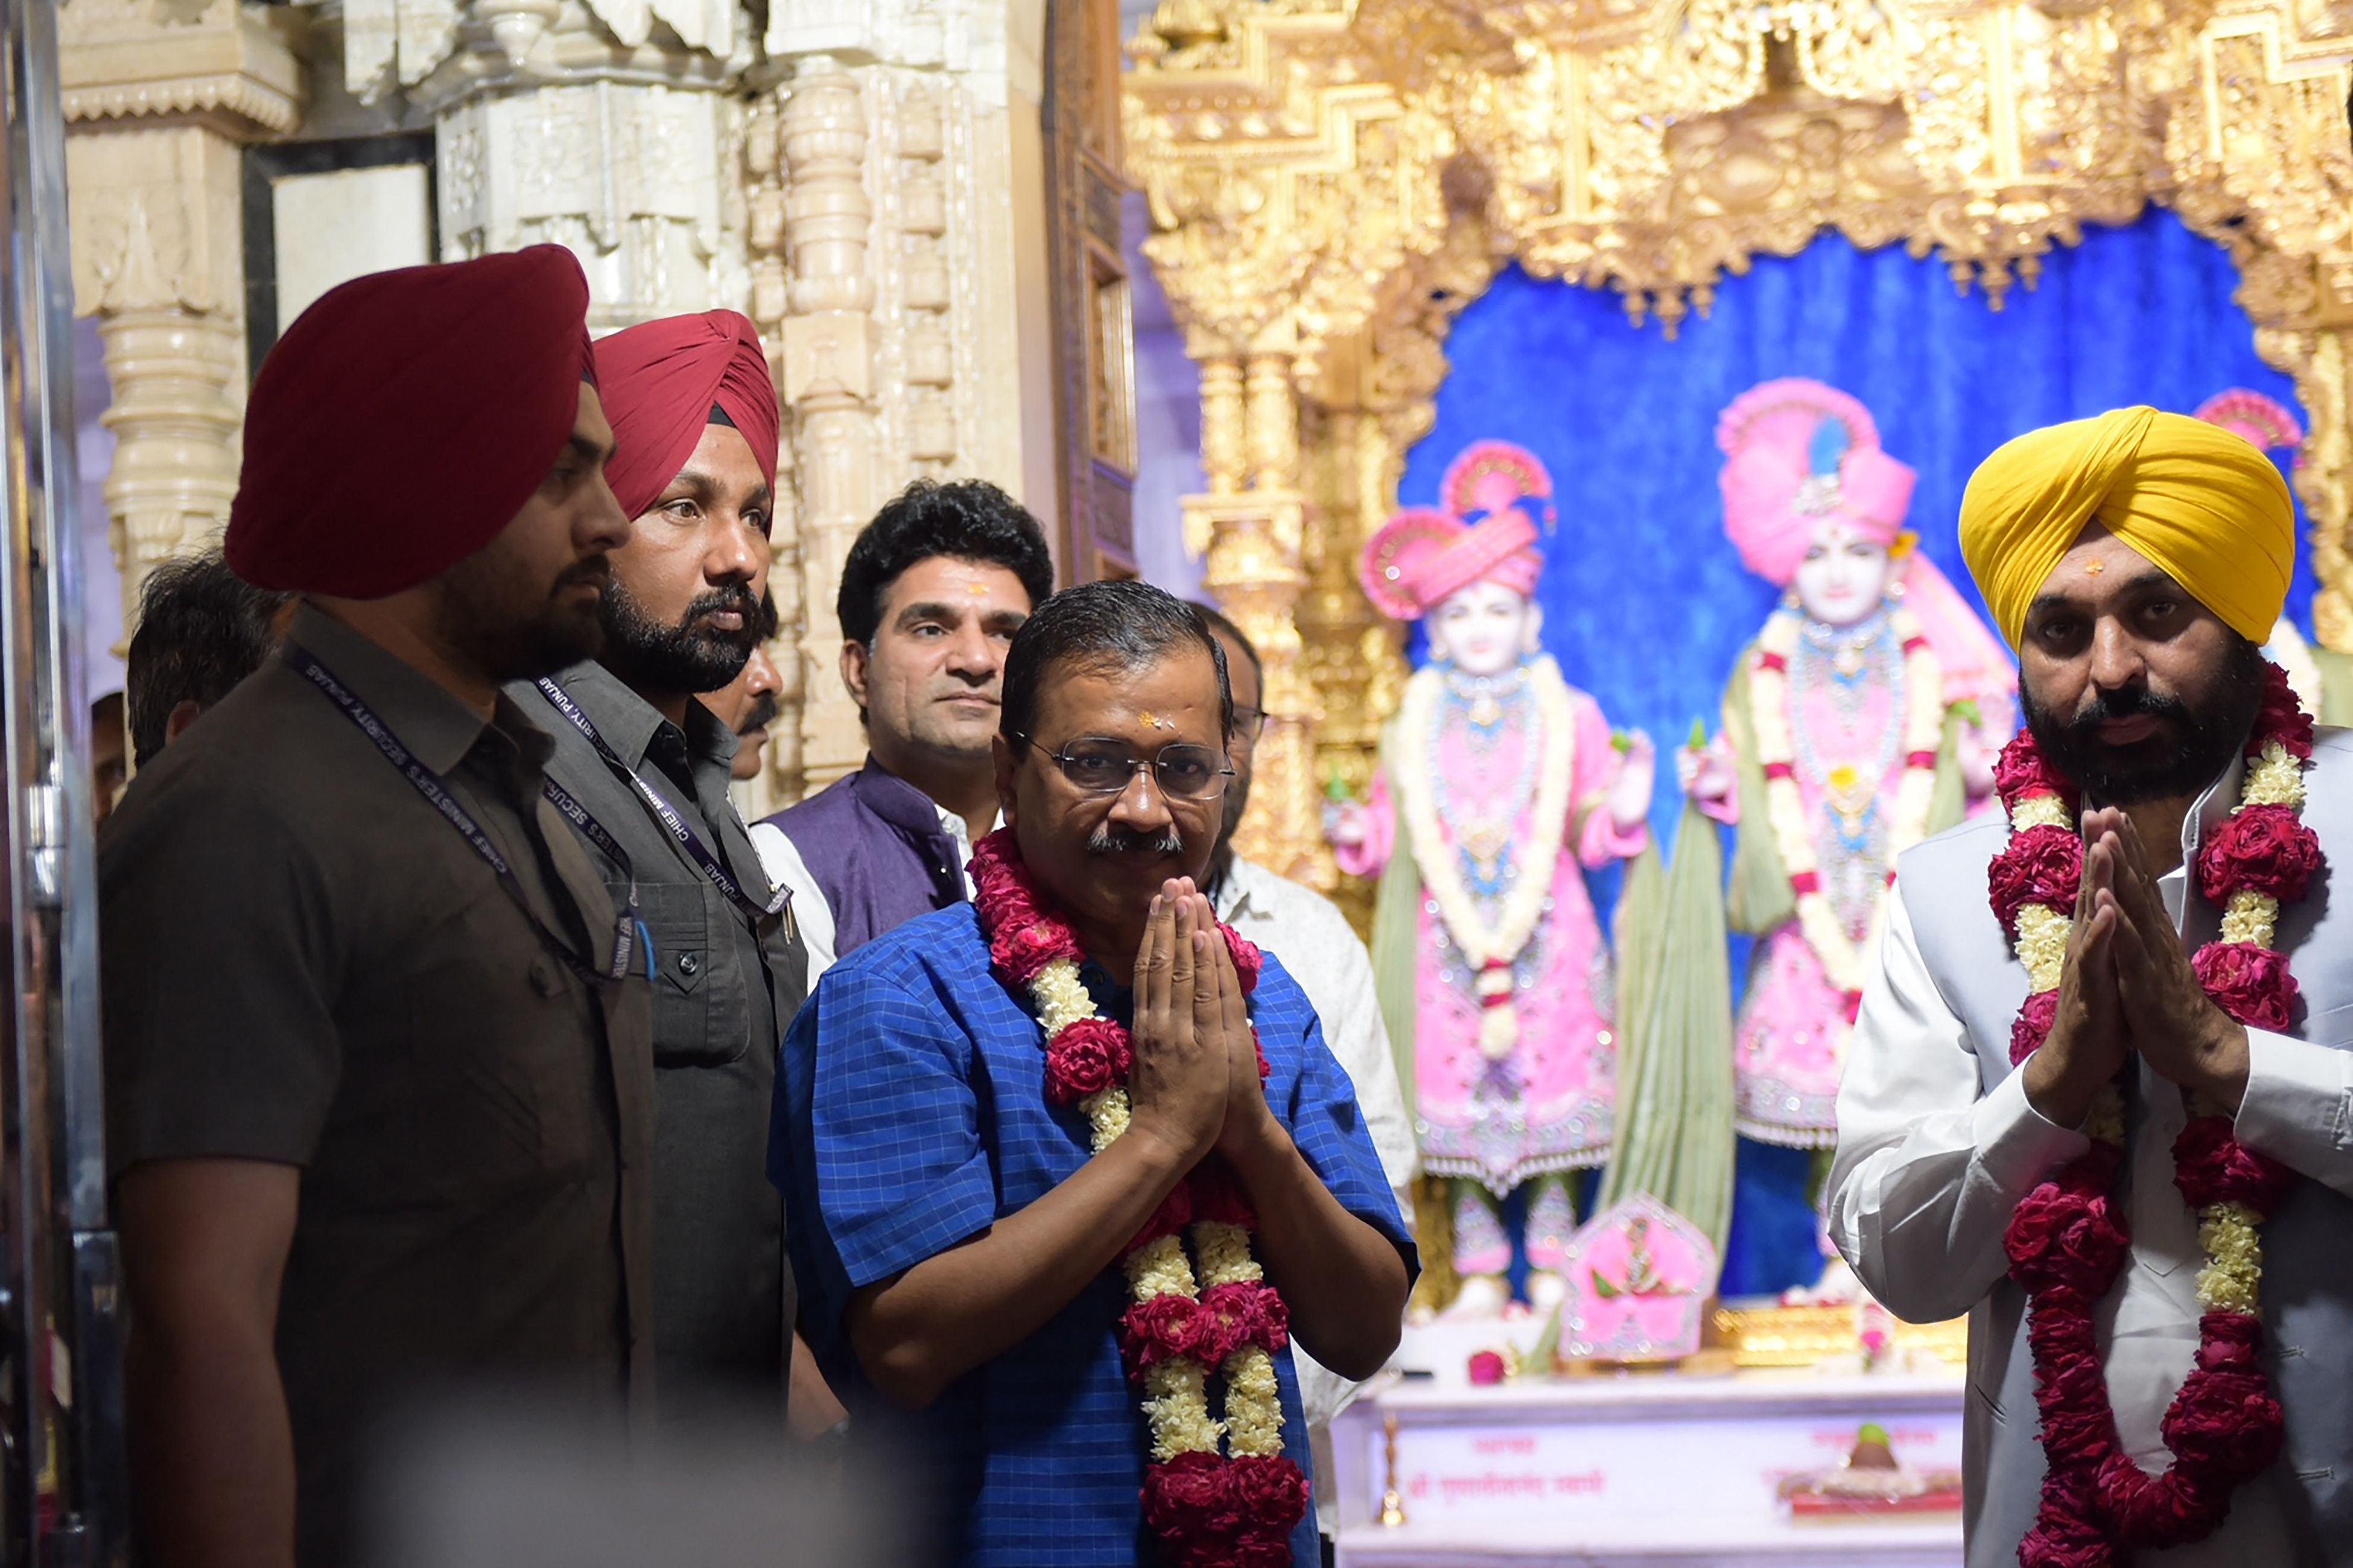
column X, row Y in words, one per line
column 1332, row 181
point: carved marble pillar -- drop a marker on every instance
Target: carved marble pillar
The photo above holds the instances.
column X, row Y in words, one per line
column 159, row 100
column 762, row 175
column 828, row 344
column 882, row 151
column 605, row 126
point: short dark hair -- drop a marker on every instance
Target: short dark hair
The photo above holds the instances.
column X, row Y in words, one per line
column 202, row 629
column 1118, row 622
column 970, row 519
column 1219, row 624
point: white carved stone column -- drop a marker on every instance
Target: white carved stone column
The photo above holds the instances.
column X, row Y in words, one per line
column 828, row 381
column 605, row 126
column 881, row 162
column 159, row 100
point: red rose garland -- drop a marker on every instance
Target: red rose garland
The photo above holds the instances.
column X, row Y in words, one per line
column 1230, row 1509
column 2067, row 1240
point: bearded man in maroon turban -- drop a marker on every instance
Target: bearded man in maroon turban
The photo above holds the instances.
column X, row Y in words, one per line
column 647, row 766
column 380, row 1087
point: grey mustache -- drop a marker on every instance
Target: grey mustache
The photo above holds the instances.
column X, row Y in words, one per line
column 1106, row 842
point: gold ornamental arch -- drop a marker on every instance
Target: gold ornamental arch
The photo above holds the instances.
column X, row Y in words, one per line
column 1331, row 181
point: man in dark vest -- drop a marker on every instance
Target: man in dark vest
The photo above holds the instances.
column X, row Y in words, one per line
column 932, row 592
column 643, row 768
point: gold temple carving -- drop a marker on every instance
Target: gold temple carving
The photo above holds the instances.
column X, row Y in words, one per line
column 1331, row 181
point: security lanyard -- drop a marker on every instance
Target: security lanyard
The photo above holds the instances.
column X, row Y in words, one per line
column 678, row 827
column 428, row 784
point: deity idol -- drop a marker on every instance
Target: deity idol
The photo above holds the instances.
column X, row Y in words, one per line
column 1845, row 741
column 1500, row 784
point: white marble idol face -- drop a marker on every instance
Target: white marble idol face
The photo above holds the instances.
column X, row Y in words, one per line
column 1845, row 576
column 1484, row 629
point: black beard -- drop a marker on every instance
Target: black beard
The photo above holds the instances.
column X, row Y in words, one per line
column 2204, row 739
column 471, row 618
column 648, row 655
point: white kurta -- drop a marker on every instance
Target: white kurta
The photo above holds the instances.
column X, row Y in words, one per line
column 1307, row 932
column 1929, row 1169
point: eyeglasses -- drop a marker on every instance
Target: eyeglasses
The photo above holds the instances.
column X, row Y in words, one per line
column 1182, row 769
column 1250, row 723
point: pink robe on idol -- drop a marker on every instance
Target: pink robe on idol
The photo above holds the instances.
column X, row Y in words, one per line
column 1546, row 1106
column 1789, row 1041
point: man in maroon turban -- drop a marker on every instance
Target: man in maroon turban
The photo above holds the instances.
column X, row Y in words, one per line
column 648, row 764
column 380, row 1088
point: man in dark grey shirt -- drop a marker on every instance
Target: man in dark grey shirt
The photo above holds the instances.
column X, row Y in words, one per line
column 380, row 1106
column 645, row 767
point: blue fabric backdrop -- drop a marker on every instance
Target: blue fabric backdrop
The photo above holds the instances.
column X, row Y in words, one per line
column 1646, row 604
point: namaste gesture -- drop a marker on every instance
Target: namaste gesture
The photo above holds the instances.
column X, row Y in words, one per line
column 1195, row 1085
column 2128, row 988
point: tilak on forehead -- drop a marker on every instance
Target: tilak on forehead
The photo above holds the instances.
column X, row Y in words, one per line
column 2200, row 502
column 1154, row 721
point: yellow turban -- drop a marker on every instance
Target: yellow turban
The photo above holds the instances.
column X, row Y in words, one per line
column 2205, row 505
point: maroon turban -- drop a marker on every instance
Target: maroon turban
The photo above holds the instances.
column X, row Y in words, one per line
column 405, row 418
column 661, row 380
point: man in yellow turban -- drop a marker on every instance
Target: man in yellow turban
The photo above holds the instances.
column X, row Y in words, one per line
column 2037, row 1034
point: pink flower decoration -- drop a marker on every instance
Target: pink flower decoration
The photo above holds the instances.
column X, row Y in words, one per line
column 2065, row 1232
column 1190, row 1496
column 2211, row 1166
column 2250, row 984
column 1486, row 1368
column 2033, row 1026
column 2281, row 718
column 1242, row 1312
column 1161, row 1330
column 2262, row 850
column 2040, row 866
column 2064, row 1536
column 2022, row 771
column 2225, row 1421
column 1272, row 1494
column 1087, row 1057
column 1248, row 959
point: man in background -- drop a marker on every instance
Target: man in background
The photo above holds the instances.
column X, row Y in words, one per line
column 932, row 592
column 1315, row 942
column 747, row 704
column 108, row 772
column 201, row 630
column 644, row 767
column 379, row 1101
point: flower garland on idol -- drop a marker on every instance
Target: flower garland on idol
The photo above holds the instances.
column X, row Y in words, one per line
column 1193, row 1317
column 2067, row 1241
column 1924, row 729
column 1488, row 947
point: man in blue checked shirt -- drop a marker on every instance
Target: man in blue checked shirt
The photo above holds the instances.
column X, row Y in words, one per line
column 957, row 1243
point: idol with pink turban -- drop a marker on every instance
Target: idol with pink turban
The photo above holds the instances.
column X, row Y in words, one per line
column 2267, row 424
column 1500, row 784
column 1850, row 733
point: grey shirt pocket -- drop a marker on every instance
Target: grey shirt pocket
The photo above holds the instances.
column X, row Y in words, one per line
column 697, row 1012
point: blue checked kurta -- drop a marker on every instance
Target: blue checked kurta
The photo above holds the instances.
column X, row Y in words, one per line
column 911, row 1115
